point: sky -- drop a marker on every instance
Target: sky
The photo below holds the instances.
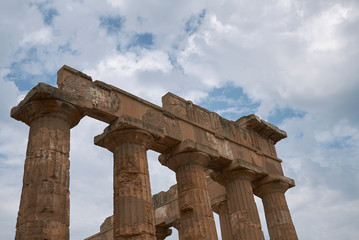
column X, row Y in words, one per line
column 293, row 63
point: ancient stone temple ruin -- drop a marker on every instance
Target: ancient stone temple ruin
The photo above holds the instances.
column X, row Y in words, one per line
column 219, row 164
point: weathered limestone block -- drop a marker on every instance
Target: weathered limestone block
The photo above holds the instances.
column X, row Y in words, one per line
column 196, row 217
column 191, row 140
column 178, row 120
column 133, row 212
column 243, row 212
column 279, row 222
column 45, row 205
column 165, row 206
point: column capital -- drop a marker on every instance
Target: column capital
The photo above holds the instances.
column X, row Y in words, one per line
column 188, row 152
column 114, row 138
column 27, row 112
column 270, row 184
column 184, row 158
column 224, row 177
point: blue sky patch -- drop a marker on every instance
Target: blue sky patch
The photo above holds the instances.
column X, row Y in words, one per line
column 230, row 102
column 22, row 78
column 118, row 47
column 17, row 72
column 113, row 25
column 340, row 143
column 278, row 115
column 3, row 156
column 26, row 81
column 144, row 40
column 194, row 22
column 174, row 62
column 66, row 48
column 48, row 13
column 139, row 19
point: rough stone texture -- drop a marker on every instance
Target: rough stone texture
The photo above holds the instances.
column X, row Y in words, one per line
column 262, row 127
column 45, row 206
column 193, row 199
column 243, row 212
column 278, row 218
column 165, row 205
column 178, row 128
column 133, row 212
column 176, row 121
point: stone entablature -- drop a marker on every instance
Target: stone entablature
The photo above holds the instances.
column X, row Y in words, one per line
column 192, row 141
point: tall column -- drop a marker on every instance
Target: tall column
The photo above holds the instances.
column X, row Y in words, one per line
column 221, row 208
column 44, row 211
column 133, row 211
column 243, row 212
column 196, row 215
column 279, row 221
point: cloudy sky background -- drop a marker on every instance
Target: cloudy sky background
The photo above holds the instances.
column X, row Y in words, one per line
column 293, row 63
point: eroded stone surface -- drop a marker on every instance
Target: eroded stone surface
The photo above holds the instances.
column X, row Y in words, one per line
column 45, row 207
column 133, row 212
column 242, row 209
column 179, row 130
column 176, row 121
column 194, row 205
column 278, row 218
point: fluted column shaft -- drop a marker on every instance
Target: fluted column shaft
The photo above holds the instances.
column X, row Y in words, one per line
column 44, row 211
column 279, row 221
column 196, row 215
column 133, row 211
column 243, row 213
column 221, row 209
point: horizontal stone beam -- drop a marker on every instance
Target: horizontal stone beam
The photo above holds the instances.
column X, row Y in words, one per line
column 230, row 144
column 176, row 121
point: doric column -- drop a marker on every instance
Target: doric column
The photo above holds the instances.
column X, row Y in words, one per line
column 196, row 215
column 279, row 221
column 133, row 211
column 162, row 232
column 221, row 208
column 243, row 212
column 45, row 205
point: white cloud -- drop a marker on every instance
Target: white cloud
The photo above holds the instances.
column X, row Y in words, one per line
column 321, row 30
column 41, row 36
column 300, row 55
column 13, row 137
column 321, row 157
